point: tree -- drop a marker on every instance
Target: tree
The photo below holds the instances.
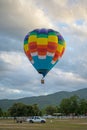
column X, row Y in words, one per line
column 50, row 110
column 1, row 112
column 36, row 110
column 83, row 107
column 18, row 109
column 65, row 106
column 29, row 110
column 70, row 105
column 74, row 104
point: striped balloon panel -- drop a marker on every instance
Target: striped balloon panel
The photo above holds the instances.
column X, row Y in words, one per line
column 44, row 47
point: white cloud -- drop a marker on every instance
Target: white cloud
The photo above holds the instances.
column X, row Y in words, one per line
column 12, row 58
column 71, row 77
column 21, row 18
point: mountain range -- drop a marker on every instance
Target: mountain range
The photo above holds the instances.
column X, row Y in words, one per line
column 43, row 101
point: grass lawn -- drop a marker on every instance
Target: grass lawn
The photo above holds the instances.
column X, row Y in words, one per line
column 54, row 124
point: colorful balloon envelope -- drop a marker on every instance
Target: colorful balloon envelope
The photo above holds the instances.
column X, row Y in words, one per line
column 44, row 48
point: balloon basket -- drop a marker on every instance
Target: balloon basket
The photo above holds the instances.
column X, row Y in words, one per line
column 42, row 81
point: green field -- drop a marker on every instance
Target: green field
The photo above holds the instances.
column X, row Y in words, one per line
column 54, row 124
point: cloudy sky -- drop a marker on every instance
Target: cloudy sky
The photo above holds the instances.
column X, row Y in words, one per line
column 17, row 17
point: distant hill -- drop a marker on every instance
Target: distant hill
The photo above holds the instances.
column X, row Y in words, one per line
column 43, row 101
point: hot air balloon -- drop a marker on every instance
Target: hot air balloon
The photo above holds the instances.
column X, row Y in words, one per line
column 44, row 48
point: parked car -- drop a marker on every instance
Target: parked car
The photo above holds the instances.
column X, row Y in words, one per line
column 36, row 119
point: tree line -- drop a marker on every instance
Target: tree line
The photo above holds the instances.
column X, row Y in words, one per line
column 73, row 105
